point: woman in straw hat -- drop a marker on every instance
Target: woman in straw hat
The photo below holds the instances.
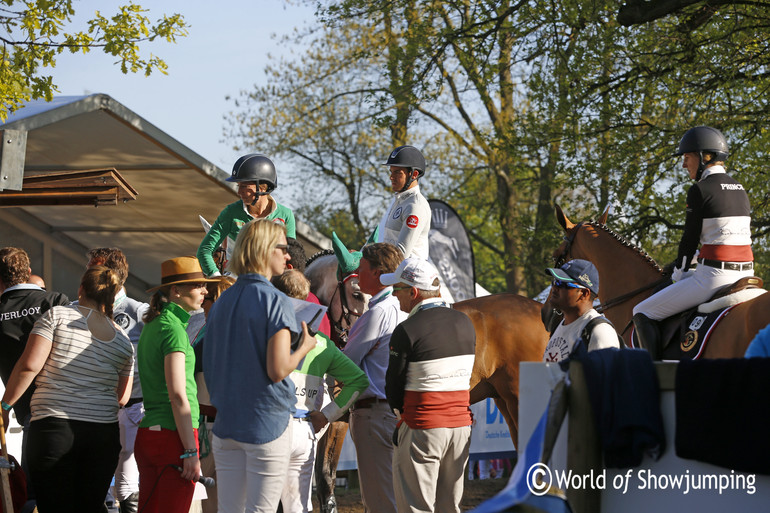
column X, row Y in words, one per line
column 247, row 359
column 167, row 439
column 82, row 364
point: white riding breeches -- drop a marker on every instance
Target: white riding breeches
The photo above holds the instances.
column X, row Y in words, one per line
column 689, row 292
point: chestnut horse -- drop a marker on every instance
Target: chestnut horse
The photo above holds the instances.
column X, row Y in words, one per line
column 628, row 275
column 508, row 331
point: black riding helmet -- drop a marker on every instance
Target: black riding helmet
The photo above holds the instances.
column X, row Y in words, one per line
column 408, row 157
column 255, row 168
column 703, row 139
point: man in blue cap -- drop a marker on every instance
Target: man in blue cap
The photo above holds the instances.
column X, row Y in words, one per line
column 573, row 290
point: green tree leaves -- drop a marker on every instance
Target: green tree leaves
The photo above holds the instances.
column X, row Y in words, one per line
column 34, row 32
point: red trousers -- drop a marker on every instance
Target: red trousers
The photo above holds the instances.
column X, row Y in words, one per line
column 161, row 487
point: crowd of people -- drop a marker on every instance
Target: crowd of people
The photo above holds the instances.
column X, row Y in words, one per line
column 216, row 376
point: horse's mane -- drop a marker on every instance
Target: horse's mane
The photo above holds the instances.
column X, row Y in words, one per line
column 642, row 253
column 319, row 254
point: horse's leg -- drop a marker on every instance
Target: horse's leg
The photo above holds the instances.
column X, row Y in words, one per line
column 482, row 390
column 506, row 384
column 327, row 457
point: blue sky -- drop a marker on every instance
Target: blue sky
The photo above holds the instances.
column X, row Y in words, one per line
column 225, row 52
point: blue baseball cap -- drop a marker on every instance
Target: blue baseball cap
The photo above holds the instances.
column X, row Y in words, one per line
column 577, row 271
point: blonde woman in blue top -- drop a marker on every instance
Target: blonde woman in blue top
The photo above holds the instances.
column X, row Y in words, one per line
column 247, row 359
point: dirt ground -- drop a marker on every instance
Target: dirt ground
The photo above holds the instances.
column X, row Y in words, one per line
column 476, row 492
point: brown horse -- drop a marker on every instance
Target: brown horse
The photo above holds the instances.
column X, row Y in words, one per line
column 627, row 275
column 508, row 331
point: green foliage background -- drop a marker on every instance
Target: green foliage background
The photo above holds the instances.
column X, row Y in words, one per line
column 516, row 106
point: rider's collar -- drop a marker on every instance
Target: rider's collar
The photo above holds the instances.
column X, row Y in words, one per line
column 380, row 296
column 431, row 302
column 119, row 297
column 712, row 170
column 271, row 206
column 408, row 192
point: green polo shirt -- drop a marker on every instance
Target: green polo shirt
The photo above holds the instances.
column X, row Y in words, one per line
column 162, row 336
column 229, row 223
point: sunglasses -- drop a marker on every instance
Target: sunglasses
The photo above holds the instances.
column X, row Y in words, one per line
column 283, row 247
column 396, row 289
column 559, row 284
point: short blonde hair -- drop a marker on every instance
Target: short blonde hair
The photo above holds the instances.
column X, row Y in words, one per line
column 292, row 283
column 253, row 246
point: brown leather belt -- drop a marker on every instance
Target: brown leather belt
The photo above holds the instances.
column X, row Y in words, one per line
column 368, row 402
column 730, row 266
column 208, row 411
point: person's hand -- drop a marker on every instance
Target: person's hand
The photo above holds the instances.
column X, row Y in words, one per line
column 191, row 469
column 6, row 419
column 318, row 420
column 679, row 274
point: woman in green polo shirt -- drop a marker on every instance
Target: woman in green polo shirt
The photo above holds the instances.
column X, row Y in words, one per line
column 167, row 439
column 256, row 178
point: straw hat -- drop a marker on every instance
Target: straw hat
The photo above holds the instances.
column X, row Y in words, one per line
column 180, row 270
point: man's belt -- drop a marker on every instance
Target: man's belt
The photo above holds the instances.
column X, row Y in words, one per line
column 368, row 402
column 730, row 266
column 133, row 401
column 208, row 411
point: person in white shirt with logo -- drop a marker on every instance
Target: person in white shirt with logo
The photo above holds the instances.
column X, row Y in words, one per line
column 573, row 290
column 407, row 221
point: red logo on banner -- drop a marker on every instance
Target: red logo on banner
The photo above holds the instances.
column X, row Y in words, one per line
column 412, row 221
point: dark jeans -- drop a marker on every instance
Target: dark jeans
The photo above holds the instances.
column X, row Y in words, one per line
column 71, row 463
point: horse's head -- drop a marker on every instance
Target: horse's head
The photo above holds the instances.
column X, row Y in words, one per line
column 341, row 293
column 570, row 249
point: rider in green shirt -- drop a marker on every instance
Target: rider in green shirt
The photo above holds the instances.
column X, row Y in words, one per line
column 256, row 178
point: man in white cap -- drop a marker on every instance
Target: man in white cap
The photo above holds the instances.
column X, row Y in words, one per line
column 428, row 386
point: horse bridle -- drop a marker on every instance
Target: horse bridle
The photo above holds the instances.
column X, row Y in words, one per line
column 345, row 312
column 603, row 307
column 569, row 239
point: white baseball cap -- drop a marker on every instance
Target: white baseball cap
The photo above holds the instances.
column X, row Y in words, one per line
column 415, row 272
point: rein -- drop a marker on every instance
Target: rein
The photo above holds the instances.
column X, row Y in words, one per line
column 569, row 239
column 625, row 297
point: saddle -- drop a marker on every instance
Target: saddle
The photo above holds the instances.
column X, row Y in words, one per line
column 686, row 334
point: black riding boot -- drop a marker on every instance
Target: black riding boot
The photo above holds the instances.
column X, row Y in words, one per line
column 648, row 333
column 130, row 504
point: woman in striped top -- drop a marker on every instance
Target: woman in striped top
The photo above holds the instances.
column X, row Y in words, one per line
column 82, row 364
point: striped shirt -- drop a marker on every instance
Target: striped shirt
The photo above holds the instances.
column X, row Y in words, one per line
column 79, row 379
column 429, row 371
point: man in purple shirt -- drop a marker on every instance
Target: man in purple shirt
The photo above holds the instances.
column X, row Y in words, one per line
column 372, row 422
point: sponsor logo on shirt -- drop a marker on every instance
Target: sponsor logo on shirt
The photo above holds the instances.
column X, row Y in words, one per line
column 122, row 320
column 280, row 220
column 412, row 221
column 732, row 186
column 17, row 314
column 397, row 213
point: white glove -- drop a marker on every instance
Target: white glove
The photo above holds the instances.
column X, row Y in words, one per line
column 678, row 274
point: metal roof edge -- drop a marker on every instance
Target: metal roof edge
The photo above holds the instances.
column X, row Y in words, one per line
column 104, row 102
